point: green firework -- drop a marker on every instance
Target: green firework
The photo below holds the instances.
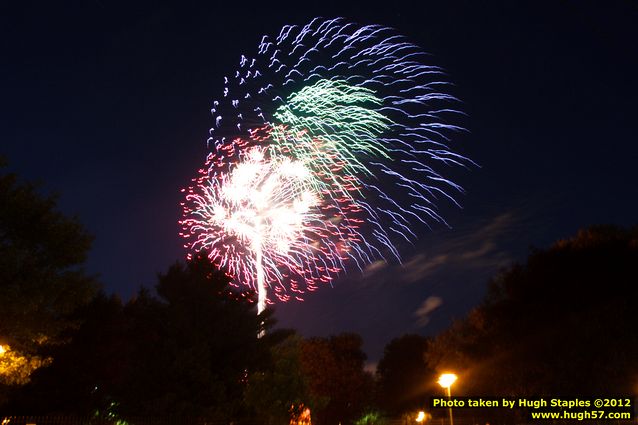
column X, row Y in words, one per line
column 341, row 117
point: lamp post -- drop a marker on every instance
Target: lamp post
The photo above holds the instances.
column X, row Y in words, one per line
column 446, row 380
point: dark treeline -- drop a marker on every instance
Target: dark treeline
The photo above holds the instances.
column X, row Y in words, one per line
column 193, row 351
column 561, row 324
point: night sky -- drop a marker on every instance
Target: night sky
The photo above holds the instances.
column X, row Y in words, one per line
column 107, row 103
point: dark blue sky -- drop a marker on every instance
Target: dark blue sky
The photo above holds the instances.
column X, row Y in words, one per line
column 107, row 103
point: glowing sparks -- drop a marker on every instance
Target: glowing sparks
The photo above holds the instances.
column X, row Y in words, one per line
column 268, row 206
column 264, row 203
column 340, row 115
column 270, row 219
column 324, row 152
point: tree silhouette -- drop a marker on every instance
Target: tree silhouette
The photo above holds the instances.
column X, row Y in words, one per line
column 41, row 254
column 335, row 373
column 403, row 376
column 281, row 389
column 563, row 323
column 187, row 352
column 41, row 277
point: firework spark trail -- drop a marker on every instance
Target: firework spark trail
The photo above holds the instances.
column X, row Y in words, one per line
column 361, row 119
column 266, row 205
column 264, row 221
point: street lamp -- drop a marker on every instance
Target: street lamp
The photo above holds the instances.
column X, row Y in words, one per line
column 446, row 380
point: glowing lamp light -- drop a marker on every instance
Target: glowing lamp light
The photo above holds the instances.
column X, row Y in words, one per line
column 420, row 417
column 2, row 349
column 447, row 379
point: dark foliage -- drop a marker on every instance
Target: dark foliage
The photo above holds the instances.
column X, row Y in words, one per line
column 41, row 256
column 281, row 387
column 42, row 282
column 188, row 353
column 403, row 377
column 564, row 323
column 334, row 368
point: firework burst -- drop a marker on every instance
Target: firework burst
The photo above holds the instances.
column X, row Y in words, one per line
column 325, row 151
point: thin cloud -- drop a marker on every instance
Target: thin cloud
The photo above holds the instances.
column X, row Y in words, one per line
column 422, row 313
column 375, row 267
column 478, row 248
column 421, row 265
